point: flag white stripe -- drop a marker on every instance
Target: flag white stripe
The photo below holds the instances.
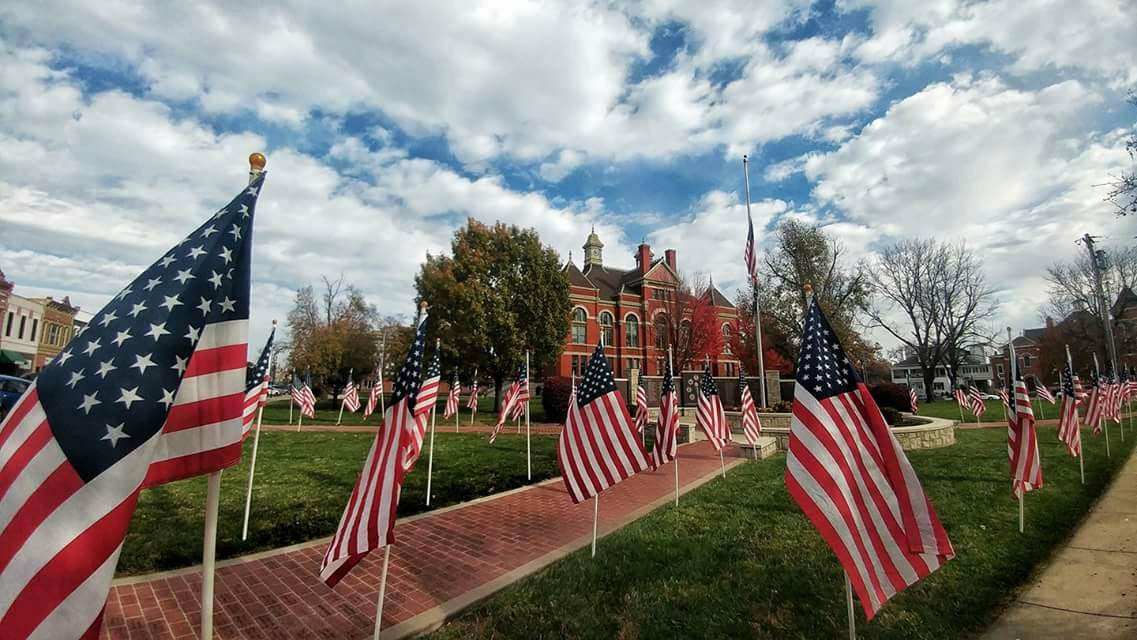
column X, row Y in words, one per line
column 42, row 465
column 209, row 386
column 204, row 438
column 223, row 334
column 23, row 430
column 80, row 608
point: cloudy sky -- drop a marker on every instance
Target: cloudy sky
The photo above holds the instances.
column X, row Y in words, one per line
column 123, row 124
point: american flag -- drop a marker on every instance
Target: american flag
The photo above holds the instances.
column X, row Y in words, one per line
column 305, row 399
column 256, row 386
column 598, row 447
column 452, row 397
column 750, row 254
column 978, row 405
column 1026, row 468
column 848, row 473
column 472, row 403
column 641, row 408
column 1115, row 395
column 913, row 401
column 1043, row 392
column 1005, row 398
column 751, row 425
column 709, row 414
column 1132, row 386
column 153, row 391
column 351, row 395
column 368, row 521
column 522, row 400
column 1095, row 405
column 424, row 402
column 961, row 398
column 515, row 396
column 667, row 428
column 1068, row 420
column 374, row 394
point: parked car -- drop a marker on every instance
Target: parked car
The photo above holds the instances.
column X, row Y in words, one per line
column 278, row 390
column 11, row 388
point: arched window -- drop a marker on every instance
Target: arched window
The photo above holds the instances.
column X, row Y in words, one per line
column 606, row 328
column 631, row 331
column 579, row 324
column 726, row 338
column 661, row 331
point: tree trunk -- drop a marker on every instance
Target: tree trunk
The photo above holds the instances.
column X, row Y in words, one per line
column 929, row 382
column 497, row 380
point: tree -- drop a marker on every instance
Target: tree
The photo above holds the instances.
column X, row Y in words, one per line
column 1123, row 188
column 934, row 300
column 502, row 289
column 775, row 345
column 803, row 254
column 333, row 335
column 1072, row 283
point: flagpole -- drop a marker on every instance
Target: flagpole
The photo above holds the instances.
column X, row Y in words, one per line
column 474, row 409
column 595, row 518
column 213, row 496
column 430, row 457
column 382, row 592
column 757, row 308
column 1012, row 377
column 458, row 409
column 671, row 368
column 291, row 386
column 252, row 470
column 528, row 451
column 344, row 401
column 849, row 607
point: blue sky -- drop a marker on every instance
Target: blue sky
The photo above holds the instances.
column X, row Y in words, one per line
column 991, row 123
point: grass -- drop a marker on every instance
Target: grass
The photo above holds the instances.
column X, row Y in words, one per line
column 303, row 483
column 276, row 412
column 738, row 558
column 994, row 413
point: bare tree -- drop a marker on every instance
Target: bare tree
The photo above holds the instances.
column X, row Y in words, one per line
column 1072, row 283
column 805, row 254
column 1123, row 188
column 935, row 301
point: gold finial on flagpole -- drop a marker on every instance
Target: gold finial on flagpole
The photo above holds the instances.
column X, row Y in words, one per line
column 808, row 289
column 257, row 162
column 274, row 322
column 422, row 306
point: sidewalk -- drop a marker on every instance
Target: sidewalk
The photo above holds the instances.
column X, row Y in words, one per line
column 1089, row 589
column 443, row 561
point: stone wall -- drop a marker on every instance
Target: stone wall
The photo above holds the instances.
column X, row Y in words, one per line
column 935, row 434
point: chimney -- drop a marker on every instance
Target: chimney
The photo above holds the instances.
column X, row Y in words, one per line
column 643, row 257
column 669, row 257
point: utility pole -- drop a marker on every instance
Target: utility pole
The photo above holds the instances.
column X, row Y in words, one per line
column 1097, row 262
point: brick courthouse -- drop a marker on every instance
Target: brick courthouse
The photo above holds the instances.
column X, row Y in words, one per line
column 626, row 308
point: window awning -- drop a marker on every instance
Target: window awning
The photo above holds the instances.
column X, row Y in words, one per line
column 12, row 357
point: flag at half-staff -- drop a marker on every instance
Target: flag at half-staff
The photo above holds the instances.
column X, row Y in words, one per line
column 666, row 443
column 152, row 391
column 452, row 397
column 598, row 446
column 256, row 386
column 515, row 396
column 751, row 425
column 424, row 403
column 641, row 408
column 368, row 521
column 709, row 414
column 848, row 473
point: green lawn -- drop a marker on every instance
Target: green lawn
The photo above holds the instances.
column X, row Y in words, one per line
column 276, row 412
column 738, row 559
column 950, row 410
column 303, row 483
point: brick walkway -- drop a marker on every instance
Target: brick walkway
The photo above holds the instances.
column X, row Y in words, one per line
column 444, row 561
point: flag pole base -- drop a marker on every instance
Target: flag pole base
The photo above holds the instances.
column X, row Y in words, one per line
column 595, row 519
column 382, row 593
column 209, row 553
column 849, row 608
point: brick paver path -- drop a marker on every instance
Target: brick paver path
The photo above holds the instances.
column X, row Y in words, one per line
column 443, row 561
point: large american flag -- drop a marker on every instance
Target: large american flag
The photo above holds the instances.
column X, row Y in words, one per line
column 1068, row 431
column 751, row 425
column 598, row 446
column 515, row 396
column 848, row 473
column 750, row 253
column 424, row 402
column 256, row 386
column 667, row 428
column 1026, row 467
column 709, row 414
column 641, row 408
column 152, row 391
column 368, row 521
column 452, row 397
column 351, row 395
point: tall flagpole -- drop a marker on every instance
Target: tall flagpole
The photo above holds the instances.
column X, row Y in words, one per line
column 528, row 452
column 849, row 608
column 757, row 307
column 474, row 409
column 291, row 386
column 458, row 409
column 595, row 519
column 253, row 464
column 1012, row 369
column 382, row 593
column 213, row 496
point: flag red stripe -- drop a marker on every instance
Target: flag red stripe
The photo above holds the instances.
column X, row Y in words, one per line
column 217, row 359
column 68, row 569
column 43, row 501
column 193, row 464
column 23, row 455
column 204, row 412
column 18, row 413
